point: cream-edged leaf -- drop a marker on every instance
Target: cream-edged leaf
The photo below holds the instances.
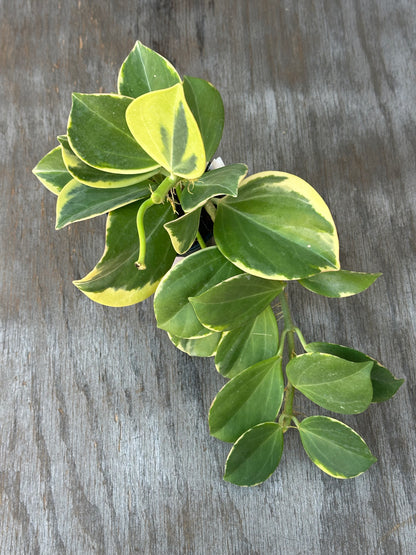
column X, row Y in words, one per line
column 145, row 70
column 334, row 447
column 78, row 202
column 332, row 382
column 190, row 277
column 98, row 134
column 244, row 346
column 93, row 177
column 116, row 281
column 278, row 227
column 234, row 301
column 51, row 171
column 252, row 397
column 199, row 346
column 255, row 455
column 339, row 283
column 385, row 385
column 222, row 181
column 206, row 105
column 183, row 230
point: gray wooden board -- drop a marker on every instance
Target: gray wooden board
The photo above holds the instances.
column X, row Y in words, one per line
column 104, row 444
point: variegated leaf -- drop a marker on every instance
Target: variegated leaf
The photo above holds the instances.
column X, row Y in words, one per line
column 164, row 126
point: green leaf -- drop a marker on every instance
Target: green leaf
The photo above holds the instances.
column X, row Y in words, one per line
column 183, row 230
column 385, row 385
column 199, row 346
column 162, row 123
column 98, row 134
column 340, row 283
column 192, row 276
column 243, row 347
column 252, row 397
column 332, row 382
column 233, row 302
column 116, row 281
column 278, row 227
column 79, row 202
column 206, row 105
column 334, row 447
column 222, row 181
column 92, row 177
column 145, row 70
column 51, row 171
column 255, row 455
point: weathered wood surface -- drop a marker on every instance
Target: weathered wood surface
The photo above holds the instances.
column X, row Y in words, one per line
column 104, row 438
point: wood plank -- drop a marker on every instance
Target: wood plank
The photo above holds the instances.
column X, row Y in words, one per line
column 104, row 444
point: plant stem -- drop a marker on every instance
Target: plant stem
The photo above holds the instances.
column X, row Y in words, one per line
column 200, row 240
column 288, row 323
column 142, row 233
column 300, row 337
column 287, row 414
column 157, row 197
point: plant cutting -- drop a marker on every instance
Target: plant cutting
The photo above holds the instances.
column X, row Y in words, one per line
column 142, row 156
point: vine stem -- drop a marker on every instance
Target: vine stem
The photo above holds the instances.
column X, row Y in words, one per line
column 289, row 326
column 157, row 197
column 200, row 240
column 287, row 414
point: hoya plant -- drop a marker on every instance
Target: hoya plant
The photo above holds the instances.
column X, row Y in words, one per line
column 143, row 155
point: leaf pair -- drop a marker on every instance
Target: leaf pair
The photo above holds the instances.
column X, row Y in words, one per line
column 333, row 446
column 205, row 293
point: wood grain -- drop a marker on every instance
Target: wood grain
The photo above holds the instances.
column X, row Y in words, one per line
column 104, row 444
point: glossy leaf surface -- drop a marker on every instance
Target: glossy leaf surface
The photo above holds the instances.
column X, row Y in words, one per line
column 255, row 455
column 192, row 276
column 278, row 227
column 242, row 347
column 252, row 397
column 332, row 382
column 206, row 105
column 92, row 177
column 233, row 302
column 79, row 202
column 199, row 346
column 98, row 134
column 183, row 230
column 385, row 385
column 51, row 171
column 334, row 447
column 222, row 181
column 340, row 283
column 162, row 123
column 116, row 281
column 145, row 70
